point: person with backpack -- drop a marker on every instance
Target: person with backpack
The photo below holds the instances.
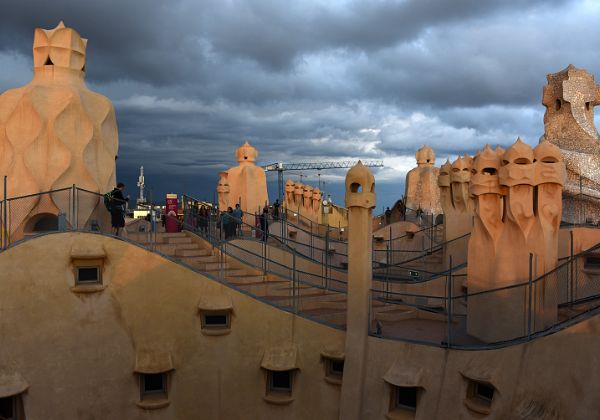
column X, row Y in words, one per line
column 115, row 202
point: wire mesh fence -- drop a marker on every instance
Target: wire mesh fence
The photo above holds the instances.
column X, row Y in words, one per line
column 581, row 201
column 410, row 300
column 286, row 278
column 445, row 312
column 65, row 209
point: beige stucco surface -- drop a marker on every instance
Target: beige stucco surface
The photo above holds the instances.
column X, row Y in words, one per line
column 551, row 378
column 77, row 351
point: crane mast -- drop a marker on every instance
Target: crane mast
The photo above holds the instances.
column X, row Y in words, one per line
column 281, row 167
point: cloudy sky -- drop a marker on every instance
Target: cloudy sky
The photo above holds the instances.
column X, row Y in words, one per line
column 310, row 80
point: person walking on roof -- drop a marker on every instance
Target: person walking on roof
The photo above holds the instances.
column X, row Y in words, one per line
column 237, row 216
column 117, row 211
column 264, row 223
column 276, row 210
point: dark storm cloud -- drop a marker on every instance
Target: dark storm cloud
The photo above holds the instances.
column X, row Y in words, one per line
column 311, row 80
column 274, row 32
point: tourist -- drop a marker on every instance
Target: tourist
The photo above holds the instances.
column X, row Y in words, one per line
column 229, row 223
column 203, row 219
column 388, row 216
column 276, row 210
column 192, row 217
column 402, row 209
column 419, row 215
column 237, row 216
column 264, row 223
column 117, row 211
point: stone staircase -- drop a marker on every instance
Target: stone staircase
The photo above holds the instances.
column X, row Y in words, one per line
column 311, row 301
column 326, row 306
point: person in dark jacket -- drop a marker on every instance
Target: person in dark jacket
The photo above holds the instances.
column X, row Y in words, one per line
column 228, row 223
column 117, row 211
column 264, row 223
column 276, row 206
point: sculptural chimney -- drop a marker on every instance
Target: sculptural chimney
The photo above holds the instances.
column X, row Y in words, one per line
column 55, row 132
column 360, row 201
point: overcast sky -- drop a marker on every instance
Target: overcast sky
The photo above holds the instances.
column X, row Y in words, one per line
column 310, row 80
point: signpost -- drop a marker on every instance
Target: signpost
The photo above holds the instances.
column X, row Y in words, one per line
column 171, row 208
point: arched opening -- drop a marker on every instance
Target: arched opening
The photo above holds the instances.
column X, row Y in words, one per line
column 44, row 222
column 587, row 106
column 355, row 187
column 439, row 219
column 522, row 161
column 558, row 104
column 48, row 62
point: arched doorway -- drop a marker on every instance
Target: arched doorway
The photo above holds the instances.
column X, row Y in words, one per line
column 43, row 222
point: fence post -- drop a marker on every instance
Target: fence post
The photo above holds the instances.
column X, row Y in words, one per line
column 370, row 317
column 327, row 257
column 431, row 236
column 311, row 240
column 579, row 202
column 221, row 260
column 152, row 225
column 390, row 245
column 571, row 271
column 449, row 303
column 73, row 205
column 264, row 252
column 388, row 270
column 530, row 295
column 294, row 283
column 4, row 218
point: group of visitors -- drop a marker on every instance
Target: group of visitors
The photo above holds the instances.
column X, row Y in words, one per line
column 231, row 221
column 398, row 214
column 198, row 217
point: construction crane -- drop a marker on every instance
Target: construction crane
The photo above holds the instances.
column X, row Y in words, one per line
column 281, row 167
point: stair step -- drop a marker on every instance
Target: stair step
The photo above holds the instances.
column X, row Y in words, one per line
column 198, row 260
column 249, row 279
column 227, row 273
column 192, row 252
column 179, row 240
column 213, row 266
column 230, row 275
column 170, row 249
column 171, row 235
column 279, row 293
